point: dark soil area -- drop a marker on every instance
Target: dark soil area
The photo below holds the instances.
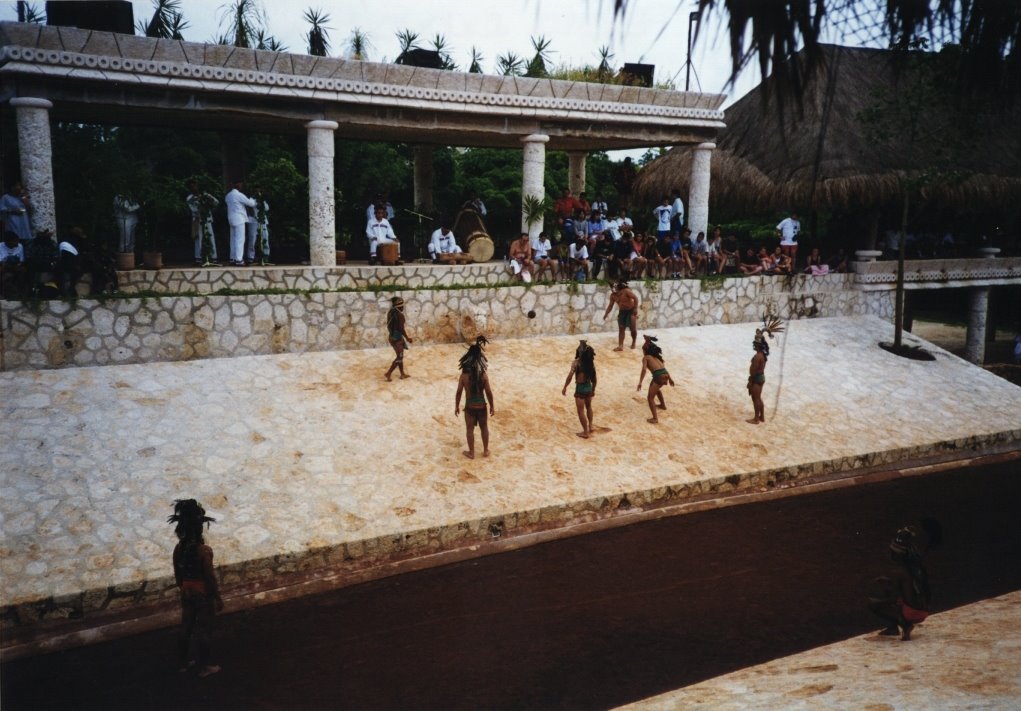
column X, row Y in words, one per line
column 583, row 623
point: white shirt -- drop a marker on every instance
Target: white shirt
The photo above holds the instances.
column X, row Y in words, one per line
column 236, row 202
column 578, row 253
column 677, row 209
column 67, row 247
column 789, row 229
column 541, row 248
column 380, row 231
column 601, row 206
column 17, row 251
column 662, row 214
column 444, row 243
column 613, row 227
column 124, row 208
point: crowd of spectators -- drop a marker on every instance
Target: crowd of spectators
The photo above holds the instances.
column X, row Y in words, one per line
column 594, row 241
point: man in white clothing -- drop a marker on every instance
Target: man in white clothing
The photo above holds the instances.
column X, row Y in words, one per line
column 663, row 213
column 442, row 242
column 257, row 230
column 676, row 213
column 788, row 230
column 237, row 218
column 125, row 213
column 380, row 232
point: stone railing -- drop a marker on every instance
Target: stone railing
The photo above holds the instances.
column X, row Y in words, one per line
column 106, row 56
column 59, row 334
column 937, row 273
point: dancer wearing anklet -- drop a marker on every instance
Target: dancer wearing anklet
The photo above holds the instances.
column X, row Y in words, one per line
column 474, row 382
column 583, row 371
column 397, row 336
column 652, row 360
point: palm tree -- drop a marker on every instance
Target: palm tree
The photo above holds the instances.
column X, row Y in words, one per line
column 408, row 41
column 439, row 43
column 166, row 21
column 268, row 42
column 358, row 45
column 537, row 67
column 510, row 64
column 475, row 66
column 244, row 19
column 27, row 12
column 318, row 39
column 604, row 69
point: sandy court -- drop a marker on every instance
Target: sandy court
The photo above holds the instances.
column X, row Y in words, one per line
column 293, row 452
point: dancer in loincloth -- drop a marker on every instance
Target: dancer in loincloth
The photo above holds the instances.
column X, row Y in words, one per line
column 902, row 597
column 396, row 335
column 583, row 371
column 627, row 314
column 757, row 370
column 652, row 360
column 474, row 382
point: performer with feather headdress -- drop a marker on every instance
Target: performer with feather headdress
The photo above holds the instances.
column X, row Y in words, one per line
column 652, row 361
column 583, row 372
column 396, row 336
column 474, row 382
column 757, row 370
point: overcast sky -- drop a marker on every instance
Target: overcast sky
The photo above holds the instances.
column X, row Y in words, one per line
column 653, row 31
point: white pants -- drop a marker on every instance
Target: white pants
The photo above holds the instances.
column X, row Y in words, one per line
column 237, row 242
column 251, row 228
column 127, row 241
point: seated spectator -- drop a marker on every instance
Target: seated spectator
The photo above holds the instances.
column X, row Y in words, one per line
column 578, row 259
column 672, row 255
column 784, row 263
column 602, row 253
column 542, row 257
column 67, row 270
column 730, row 255
column 714, row 253
column 13, row 275
column 595, row 226
column 838, row 262
column 581, row 226
column 700, row 254
column 520, row 255
column 620, row 265
column 655, row 264
column 636, row 259
column 750, row 263
column 767, row 261
column 443, row 242
column 815, row 265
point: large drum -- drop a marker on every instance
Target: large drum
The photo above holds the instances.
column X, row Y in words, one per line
column 387, row 253
column 480, row 246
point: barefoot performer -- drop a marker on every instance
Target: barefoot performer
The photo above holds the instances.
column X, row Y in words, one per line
column 757, row 370
column 627, row 314
column 397, row 335
column 583, row 370
column 475, row 384
column 901, row 598
column 652, row 360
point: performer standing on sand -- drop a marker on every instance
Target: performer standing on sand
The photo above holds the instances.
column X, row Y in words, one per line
column 652, row 360
column 627, row 314
column 397, row 336
column 583, row 370
column 757, row 370
column 475, row 383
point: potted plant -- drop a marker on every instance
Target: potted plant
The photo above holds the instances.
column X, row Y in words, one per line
column 343, row 239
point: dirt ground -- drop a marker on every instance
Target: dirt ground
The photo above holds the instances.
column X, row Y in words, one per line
column 952, row 337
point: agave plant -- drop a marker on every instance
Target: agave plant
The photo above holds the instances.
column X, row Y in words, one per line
column 439, row 44
column 475, row 66
column 318, row 38
column 265, row 41
column 534, row 209
column 243, row 18
column 27, row 12
column 166, row 21
column 408, row 41
column 358, row 45
column 605, row 57
column 510, row 64
column 537, row 67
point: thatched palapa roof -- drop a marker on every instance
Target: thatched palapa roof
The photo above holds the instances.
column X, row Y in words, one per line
column 758, row 166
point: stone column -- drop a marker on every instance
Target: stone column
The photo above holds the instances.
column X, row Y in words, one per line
column 533, row 176
column 576, row 171
column 978, row 314
column 322, row 218
column 697, row 217
column 36, row 153
column 423, row 179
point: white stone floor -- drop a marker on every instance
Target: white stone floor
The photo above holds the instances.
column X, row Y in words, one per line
column 967, row 658
column 295, row 451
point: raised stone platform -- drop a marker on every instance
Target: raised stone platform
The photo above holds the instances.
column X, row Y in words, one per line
column 937, row 273
column 321, row 473
column 966, row 658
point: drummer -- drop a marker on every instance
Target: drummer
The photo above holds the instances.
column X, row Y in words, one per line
column 380, row 232
column 443, row 242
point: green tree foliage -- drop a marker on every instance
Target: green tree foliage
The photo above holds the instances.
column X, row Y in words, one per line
column 166, row 21
column 510, row 64
column 537, row 66
column 243, row 20
column 286, row 190
column 318, row 36
column 358, row 45
column 475, row 63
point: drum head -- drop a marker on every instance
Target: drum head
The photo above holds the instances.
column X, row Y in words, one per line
column 480, row 247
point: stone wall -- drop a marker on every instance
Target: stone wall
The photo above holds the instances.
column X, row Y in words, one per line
column 59, row 334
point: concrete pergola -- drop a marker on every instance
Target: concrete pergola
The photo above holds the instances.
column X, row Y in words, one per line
column 67, row 74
